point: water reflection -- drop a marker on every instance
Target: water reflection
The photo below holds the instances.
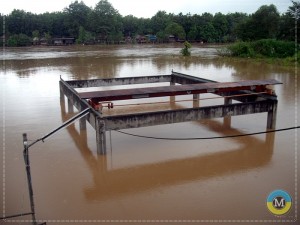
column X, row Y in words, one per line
column 108, row 184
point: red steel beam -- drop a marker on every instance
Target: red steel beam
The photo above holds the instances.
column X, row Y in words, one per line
column 151, row 92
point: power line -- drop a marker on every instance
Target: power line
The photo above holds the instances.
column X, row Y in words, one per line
column 208, row 138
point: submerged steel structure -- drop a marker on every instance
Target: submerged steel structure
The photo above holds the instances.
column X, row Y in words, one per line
column 252, row 96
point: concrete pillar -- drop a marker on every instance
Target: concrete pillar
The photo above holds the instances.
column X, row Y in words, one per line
column 227, row 118
column 70, row 106
column 100, row 137
column 196, row 99
column 270, row 138
column 82, row 121
column 271, row 119
column 227, row 101
column 61, row 95
column 172, row 98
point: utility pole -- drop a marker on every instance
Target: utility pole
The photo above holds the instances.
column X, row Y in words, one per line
column 28, row 172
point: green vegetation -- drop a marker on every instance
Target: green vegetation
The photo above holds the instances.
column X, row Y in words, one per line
column 186, row 50
column 263, row 48
column 19, row 40
column 269, row 49
column 104, row 24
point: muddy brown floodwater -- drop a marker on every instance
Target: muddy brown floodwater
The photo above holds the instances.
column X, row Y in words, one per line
column 142, row 180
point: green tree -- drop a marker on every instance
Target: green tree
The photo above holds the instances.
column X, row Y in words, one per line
column 35, row 34
column 294, row 10
column 76, row 16
column 263, row 24
column 234, row 20
column 184, row 20
column 176, row 30
column 266, row 21
column 288, row 23
column 58, row 27
column 131, row 25
column 193, row 33
column 48, row 38
column 208, row 33
column 81, row 36
column 2, row 32
column 16, row 22
column 85, row 37
column 18, row 40
column 160, row 21
column 145, row 26
column 106, row 20
column 186, row 49
column 220, row 24
column 206, row 30
column 162, row 36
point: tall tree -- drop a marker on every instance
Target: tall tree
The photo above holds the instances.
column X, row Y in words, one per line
column 176, row 30
column 106, row 20
column 234, row 20
column 160, row 21
column 220, row 24
column 15, row 22
column 76, row 16
column 131, row 25
column 266, row 22
column 289, row 22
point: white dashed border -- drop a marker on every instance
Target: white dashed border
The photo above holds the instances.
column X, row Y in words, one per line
column 161, row 221
column 3, row 129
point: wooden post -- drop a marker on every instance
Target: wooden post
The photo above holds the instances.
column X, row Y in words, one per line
column 100, row 137
column 196, row 98
column 227, row 118
column 271, row 120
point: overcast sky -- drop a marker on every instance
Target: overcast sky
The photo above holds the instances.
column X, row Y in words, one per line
column 148, row 8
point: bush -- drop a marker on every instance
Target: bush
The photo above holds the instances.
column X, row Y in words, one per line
column 273, row 48
column 263, row 48
column 18, row 40
column 12, row 41
column 186, row 50
column 242, row 49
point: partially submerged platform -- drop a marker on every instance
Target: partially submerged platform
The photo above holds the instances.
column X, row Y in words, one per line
column 253, row 96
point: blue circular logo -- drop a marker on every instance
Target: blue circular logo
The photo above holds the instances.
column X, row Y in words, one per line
column 279, row 202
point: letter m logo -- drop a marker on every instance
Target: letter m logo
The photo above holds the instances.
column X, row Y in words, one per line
column 279, row 202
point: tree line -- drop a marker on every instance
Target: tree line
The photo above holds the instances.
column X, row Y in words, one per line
column 103, row 23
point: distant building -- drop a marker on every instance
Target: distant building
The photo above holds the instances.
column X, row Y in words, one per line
column 128, row 40
column 172, row 38
column 151, row 38
column 44, row 41
column 63, row 41
column 36, row 41
column 141, row 39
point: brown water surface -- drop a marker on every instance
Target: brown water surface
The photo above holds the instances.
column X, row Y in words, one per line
column 140, row 180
